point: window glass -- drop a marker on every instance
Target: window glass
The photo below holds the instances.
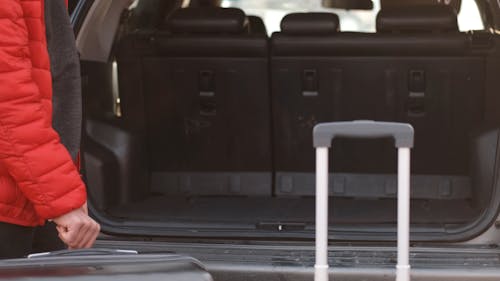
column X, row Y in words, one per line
column 469, row 17
column 272, row 11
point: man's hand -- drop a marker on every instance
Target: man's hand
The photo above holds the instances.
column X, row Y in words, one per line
column 76, row 229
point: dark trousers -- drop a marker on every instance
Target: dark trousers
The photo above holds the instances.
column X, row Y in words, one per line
column 19, row 241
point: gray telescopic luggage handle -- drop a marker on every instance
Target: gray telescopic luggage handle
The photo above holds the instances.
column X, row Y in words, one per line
column 323, row 135
column 402, row 133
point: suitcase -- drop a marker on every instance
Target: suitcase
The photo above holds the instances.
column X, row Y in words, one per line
column 323, row 136
column 102, row 264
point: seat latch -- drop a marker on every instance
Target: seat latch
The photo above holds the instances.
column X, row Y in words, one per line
column 206, row 86
column 416, row 96
column 309, row 83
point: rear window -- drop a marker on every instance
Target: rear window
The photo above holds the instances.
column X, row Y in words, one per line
column 272, row 11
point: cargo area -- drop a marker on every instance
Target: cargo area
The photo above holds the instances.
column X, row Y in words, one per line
column 298, row 214
column 204, row 122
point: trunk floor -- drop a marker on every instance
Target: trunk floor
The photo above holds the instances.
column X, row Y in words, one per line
column 265, row 209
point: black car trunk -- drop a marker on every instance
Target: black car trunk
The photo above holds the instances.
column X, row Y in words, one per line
column 201, row 124
column 133, row 188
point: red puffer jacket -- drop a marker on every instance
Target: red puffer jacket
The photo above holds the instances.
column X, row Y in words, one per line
column 38, row 180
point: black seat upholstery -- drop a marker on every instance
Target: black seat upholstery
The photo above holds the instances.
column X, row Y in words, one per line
column 205, row 87
column 255, row 23
column 416, row 19
column 310, row 24
column 417, row 68
column 204, row 3
column 208, row 20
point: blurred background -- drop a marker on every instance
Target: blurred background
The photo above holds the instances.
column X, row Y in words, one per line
column 272, row 11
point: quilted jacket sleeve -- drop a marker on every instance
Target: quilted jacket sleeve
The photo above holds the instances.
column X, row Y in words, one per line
column 29, row 147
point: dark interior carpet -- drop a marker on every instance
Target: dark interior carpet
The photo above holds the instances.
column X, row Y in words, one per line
column 256, row 209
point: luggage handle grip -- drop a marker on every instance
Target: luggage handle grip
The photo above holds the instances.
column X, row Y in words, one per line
column 83, row 252
column 324, row 133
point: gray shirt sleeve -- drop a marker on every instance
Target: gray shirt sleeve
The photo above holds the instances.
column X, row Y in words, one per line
column 65, row 68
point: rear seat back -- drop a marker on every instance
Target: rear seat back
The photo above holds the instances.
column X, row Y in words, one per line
column 205, row 86
column 417, row 68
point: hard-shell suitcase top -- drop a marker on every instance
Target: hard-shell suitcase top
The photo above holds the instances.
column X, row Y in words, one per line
column 104, row 265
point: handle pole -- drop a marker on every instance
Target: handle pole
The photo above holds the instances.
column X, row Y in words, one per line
column 403, row 266
column 321, row 266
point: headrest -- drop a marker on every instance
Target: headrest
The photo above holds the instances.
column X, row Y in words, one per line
column 207, row 20
column 417, row 18
column 205, row 3
column 310, row 24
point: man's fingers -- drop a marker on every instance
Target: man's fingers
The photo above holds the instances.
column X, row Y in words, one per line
column 65, row 236
column 97, row 230
column 69, row 238
column 83, row 234
column 76, row 229
column 61, row 229
column 91, row 235
column 62, row 239
column 84, row 237
column 71, row 233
